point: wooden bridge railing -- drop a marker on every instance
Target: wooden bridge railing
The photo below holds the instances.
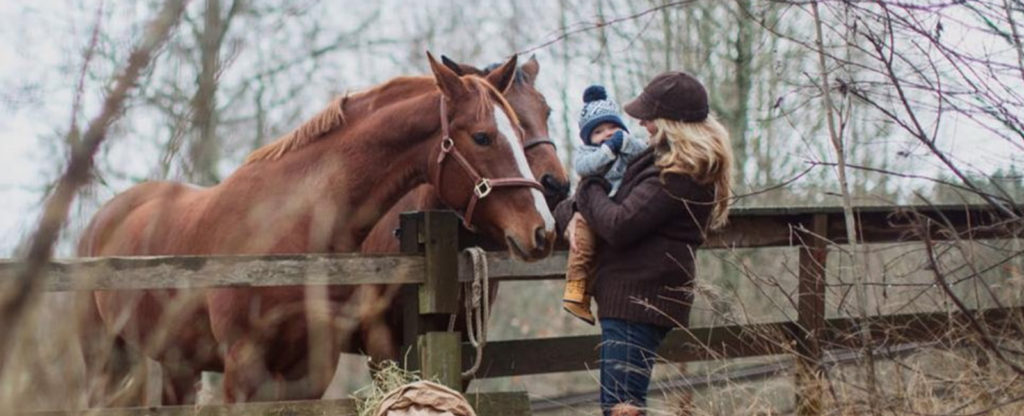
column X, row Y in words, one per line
column 432, row 267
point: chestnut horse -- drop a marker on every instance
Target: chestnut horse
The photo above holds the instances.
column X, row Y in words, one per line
column 380, row 333
column 533, row 111
column 319, row 189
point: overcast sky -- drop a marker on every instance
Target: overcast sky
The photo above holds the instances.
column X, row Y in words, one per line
column 37, row 55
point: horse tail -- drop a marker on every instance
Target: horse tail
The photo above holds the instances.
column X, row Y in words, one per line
column 114, row 374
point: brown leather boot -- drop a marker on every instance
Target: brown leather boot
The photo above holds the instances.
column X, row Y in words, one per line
column 576, row 300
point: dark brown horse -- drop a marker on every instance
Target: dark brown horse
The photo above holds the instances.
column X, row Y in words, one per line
column 379, row 334
column 318, row 189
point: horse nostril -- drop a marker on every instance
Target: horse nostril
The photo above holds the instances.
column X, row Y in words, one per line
column 550, row 184
column 540, row 237
column 552, row 187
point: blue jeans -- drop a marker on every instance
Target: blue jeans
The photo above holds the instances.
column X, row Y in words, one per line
column 627, row 357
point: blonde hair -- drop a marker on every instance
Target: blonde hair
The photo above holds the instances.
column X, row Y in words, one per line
column 701, row 150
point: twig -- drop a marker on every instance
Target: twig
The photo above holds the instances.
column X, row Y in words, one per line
column 76, row 105
column 57, row 206
column 835, row 134
column 601, row 24
column 983, row 335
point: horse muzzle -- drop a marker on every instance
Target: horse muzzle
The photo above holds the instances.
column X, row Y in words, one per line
column 554, row 191
column 538, row 246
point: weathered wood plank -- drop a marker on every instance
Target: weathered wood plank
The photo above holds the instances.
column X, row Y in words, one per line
column 341, row 407
column 749, row 228
column 811, row 316
column 440, row 230
column 555, row 355
column 919, row 327
column 763, row 227
column 485, row 404
column 505, row 403
column 441, row 358
column 503, row 267
column 180, row 272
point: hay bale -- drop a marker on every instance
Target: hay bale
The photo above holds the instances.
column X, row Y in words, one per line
column 396, row 392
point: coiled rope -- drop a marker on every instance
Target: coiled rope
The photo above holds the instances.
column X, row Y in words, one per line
column 478, row 307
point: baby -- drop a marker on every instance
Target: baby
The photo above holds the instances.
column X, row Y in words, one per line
column 607, row 150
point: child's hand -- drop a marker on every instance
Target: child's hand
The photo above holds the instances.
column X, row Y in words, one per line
column 615, row 142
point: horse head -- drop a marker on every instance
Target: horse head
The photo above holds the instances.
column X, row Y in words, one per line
column 533, row 112
column 479, row 166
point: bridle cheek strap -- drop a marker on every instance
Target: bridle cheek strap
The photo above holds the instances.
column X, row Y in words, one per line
column 482, row 187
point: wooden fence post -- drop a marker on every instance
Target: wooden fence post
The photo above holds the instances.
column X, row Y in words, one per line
column 438, row 353
column 811, row 316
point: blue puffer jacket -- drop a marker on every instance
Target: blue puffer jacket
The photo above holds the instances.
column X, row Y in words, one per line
column 603, row 161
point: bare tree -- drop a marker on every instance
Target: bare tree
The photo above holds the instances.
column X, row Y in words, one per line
column 78, row 171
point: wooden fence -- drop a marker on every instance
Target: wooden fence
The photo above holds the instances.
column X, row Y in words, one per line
column 432, row 268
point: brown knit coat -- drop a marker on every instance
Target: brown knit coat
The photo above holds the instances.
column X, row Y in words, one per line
column 649, row 231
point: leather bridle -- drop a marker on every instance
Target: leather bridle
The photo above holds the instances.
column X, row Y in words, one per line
column 482, row 186
column 538, row 142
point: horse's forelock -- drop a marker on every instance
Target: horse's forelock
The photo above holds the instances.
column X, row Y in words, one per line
column 486, row 94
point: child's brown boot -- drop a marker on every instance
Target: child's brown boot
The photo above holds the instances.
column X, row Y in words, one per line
column 576, row 300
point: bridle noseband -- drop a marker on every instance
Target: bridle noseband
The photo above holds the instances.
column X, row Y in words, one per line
column 482, row 187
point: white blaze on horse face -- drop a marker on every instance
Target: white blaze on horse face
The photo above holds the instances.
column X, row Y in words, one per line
column 505, row 129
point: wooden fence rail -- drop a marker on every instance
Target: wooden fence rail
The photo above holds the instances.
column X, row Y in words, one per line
column 195, row 272
column 485, row 404
column 432, row 267
column 752, row 227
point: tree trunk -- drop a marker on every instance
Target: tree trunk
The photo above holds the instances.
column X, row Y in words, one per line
column 204, row 152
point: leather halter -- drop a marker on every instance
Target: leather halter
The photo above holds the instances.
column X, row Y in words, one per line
column 482, row 186
column 538, row 142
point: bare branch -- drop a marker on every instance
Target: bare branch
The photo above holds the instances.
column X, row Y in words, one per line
column 77, row 174
column 601, row 24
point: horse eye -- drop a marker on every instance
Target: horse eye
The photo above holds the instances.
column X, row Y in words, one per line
column 482, row 139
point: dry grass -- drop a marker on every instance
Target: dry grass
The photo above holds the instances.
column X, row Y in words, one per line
column 959, row 375
column 45, row 372
column 389, row 377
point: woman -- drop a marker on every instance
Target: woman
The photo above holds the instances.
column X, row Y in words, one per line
column 670, row 196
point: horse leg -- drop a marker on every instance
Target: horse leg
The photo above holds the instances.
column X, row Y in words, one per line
column 118, row 378
column 115, row 373
column 180, row 385
column 245, row 371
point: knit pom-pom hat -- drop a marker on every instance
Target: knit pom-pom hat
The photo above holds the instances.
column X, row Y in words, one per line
column 597, row 109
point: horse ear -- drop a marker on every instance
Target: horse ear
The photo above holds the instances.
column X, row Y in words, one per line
column 447, row 80
column 454, row 66
column 461, row 69
column 502, row 76
column 530, row 69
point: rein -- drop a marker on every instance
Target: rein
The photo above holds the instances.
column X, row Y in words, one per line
column 482, row 186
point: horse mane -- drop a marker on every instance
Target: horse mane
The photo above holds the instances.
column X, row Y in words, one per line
column 322, row 123
column 333, row 116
